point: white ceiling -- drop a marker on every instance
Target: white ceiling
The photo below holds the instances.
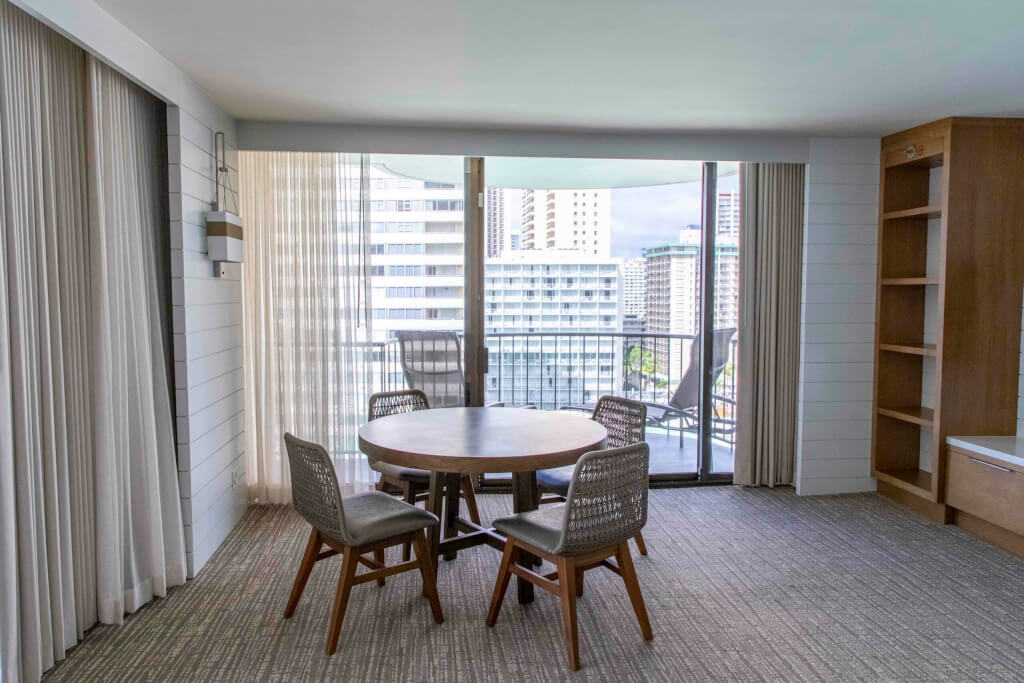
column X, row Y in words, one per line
column 800, row 66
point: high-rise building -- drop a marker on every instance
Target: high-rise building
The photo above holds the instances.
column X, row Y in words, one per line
column 673, row 305
column 729, row 214
column 416, row 247
column 579, row 220
column 495, row 221
column 673, row 292
column 634, row 287
column 559, row 294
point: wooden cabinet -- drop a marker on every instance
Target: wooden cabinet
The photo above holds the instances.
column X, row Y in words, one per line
column 988, row 488
column 948, row 300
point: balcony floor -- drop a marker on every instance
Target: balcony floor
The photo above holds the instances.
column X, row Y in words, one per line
column 668, row 458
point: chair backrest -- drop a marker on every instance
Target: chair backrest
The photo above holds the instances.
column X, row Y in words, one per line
column 625, row 420
column 687, row 394
column 432, row 363
column 385, row 403
column 315, row 491
column 607, row 500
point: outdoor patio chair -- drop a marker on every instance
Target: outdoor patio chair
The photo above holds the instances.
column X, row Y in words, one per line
column 683, row 406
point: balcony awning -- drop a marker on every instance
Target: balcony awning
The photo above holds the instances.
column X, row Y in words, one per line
column 550, row 173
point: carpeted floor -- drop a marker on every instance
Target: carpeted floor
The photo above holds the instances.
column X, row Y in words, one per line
column 740, row 585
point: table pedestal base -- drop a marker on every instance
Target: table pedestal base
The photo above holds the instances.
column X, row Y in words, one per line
column 443, row 501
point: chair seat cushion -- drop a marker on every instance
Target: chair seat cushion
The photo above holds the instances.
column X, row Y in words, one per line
column 375, row 516
column 556, row 479
column 401, row 473
column 541, row 528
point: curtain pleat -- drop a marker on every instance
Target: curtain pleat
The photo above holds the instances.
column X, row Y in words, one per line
column 771, row 213
column 90, row 519
column 44, row 421
column 308, row 358
column 140, row 547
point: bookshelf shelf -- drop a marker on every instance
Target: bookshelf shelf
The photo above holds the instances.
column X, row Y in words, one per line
column 931, row 211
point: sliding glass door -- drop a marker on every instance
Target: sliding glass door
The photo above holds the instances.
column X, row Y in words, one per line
column 566, row 280
column 593, row 278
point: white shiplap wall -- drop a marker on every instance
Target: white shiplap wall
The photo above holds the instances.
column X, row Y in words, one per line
column 837, row 317
column 207, row 340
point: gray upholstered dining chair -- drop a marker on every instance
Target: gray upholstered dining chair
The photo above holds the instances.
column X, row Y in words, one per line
column 606, row 505
column 413, row 483
column 350, row 527
column 625, row 422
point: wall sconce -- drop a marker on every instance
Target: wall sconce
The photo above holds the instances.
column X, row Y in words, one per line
column 223, row 228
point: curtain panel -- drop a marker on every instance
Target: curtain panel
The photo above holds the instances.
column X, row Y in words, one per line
column 90, row 516
column 771, row 213
column 306, row 314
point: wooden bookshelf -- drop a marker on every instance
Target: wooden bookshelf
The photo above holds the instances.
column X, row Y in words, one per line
column 948, row 300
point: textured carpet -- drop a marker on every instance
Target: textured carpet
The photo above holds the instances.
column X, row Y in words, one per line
column 740, row 585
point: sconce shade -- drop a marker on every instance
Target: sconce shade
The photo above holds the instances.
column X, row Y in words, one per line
column 224, row 236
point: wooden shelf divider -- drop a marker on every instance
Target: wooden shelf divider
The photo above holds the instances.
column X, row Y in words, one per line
column 918, row 415
column 909, row 281
column 915, row 349
column 931, row 211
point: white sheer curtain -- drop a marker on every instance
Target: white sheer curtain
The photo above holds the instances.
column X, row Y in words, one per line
column 308, row 360
column 140, row 544
column 90, row 519
column 45, row 494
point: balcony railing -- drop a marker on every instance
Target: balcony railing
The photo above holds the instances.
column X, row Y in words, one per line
column 556, row 370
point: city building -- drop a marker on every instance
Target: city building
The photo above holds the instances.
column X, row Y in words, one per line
column 634, row 287
column 552, row 305
column 579, row 220
column 495, row 203
column 416, row 247
column 729, row 214
column 673, row 292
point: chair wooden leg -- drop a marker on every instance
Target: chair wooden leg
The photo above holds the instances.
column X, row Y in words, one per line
column 409, row 496
column 501, row 583
column 633, row 588
column 427, row 572
column 308, row 560
column 349, row 562
column 640, row 545
column 567, row 592
column 379, row 556
column 470, row 495
column 579, row 582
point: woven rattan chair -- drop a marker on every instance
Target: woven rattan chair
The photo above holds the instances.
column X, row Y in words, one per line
column 413, row 483
column 359, row 524
column 625, row 422
column 605, row 507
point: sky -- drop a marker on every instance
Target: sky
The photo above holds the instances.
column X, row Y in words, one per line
column 640, row 216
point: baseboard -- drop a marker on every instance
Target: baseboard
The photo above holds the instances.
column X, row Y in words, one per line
column 936, row 512
column 997, row 536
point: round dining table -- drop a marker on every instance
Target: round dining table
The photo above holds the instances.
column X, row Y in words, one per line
column 450, row 442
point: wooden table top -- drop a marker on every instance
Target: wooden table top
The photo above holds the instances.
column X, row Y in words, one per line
column 478, row 440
